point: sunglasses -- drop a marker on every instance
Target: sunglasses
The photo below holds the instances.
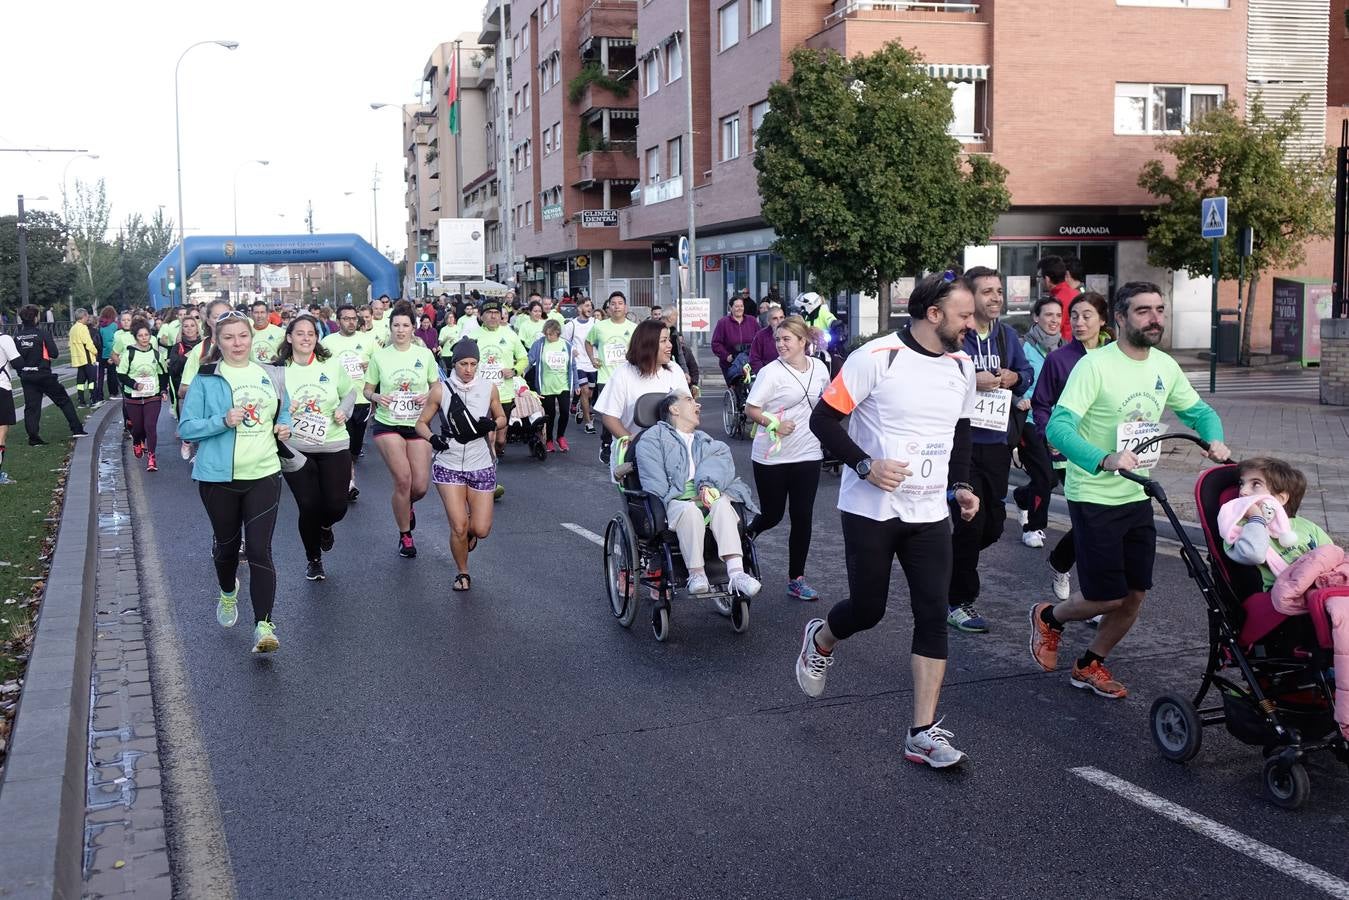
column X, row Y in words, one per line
column 232, row 314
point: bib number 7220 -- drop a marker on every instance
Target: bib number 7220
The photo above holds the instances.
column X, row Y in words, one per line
column 1130, row 435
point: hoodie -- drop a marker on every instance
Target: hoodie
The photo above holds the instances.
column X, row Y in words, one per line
column 1000, row 350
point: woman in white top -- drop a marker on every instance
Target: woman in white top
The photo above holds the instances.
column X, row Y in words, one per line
column 786, row 455
column 648, row 370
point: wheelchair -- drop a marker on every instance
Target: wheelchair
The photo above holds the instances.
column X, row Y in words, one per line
column 733, row 419
column 641, row 551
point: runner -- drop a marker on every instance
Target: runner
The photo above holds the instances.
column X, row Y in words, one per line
column 466, row 411
column 189, row 336
column 380, row 320
column 448, row 337
column 214, row 310
column 144, row 373
column 352, row 349
column 169, row 330
column 606, row 346
column 9, row 355
column 1115, row 398
column 397, row 383
column 266, row 336
column 322, row 397
column 576, row 333
column 121, row 339
column 37, row 349
column 503, row 357
column 1032, row 499
column 367, row 317
column 551, row 366
column 84, row 358
column 530, row 325
column 909, row 397
column 107, row 371
column 549, row 312
column 647, row 370
column 786, row 454
column 235, row 416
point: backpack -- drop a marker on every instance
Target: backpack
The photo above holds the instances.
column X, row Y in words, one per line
column 457, row 423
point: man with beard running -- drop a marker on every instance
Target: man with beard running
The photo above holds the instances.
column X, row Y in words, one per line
column 909, row 397
column 1114, row 399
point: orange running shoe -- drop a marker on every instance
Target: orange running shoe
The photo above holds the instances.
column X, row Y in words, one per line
column 1098, row 678
column 1044, row 641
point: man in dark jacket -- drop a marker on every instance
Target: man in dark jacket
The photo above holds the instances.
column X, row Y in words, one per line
column 764, row 349
column 36, row 352
column 1002, row 376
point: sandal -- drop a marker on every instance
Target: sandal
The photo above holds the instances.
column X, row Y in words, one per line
column 462, row 582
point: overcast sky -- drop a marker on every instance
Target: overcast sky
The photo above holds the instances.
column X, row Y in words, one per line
column 296, row 92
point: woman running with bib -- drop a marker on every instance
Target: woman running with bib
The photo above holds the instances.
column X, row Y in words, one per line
column 551, row 367
column 397, row 383
column 143, row 372
column 235, row 415
column 459, row 420
column 322, row 397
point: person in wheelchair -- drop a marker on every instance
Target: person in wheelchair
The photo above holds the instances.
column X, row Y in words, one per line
column 694, row 476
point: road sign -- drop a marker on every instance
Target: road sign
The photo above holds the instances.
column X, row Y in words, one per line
column 1213, row 217
column 695, row 315
column 425, row 272
column 683, row 250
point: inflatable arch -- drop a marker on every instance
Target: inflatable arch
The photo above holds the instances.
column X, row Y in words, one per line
column 278, row 249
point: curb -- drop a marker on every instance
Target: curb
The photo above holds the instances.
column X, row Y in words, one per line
column 42, row 796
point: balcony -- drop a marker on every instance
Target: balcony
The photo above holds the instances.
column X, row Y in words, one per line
column 614, row 19
column 659, row 191
column 600, row 90
column 599, row 166
column 491, row 21
column 890, row 9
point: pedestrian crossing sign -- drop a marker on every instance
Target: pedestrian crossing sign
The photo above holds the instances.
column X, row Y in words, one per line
column 425, row 271
column 1213, row 217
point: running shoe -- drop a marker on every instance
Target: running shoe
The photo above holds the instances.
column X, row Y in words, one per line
column 1098, row 678
column 698, row 584
column 744, row 584
column 550, row 447
column 590, row 428
column 185, row 451
column 1095, row 621
column 812, row 666
column 314, row 571
column 562, row 445
column 95, row 405
column 264, row 638
column 406, row 548
column 932, row 748
column 498, row 492
column 966, row 618
column 36, row 442
column 79, row 434
column 227, row 609
column 1044, row 641
column 577, row 413
column 137, row 449
column 604, row 455
column 5, row 479
column 150, row 464
column 412, row 517
column 799, row 590
column 326, row 539
column 352, row 493
column 1063, row 584
column 1033, row 539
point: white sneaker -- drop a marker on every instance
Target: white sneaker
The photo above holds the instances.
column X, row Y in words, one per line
column 744, row 584
column 933, row 748
column 1033, row 539
column 697, row 584
column 1063, row 585
column 1025, row 518
column 812, row 666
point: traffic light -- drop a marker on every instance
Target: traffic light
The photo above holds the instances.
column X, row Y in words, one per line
column 173, row 280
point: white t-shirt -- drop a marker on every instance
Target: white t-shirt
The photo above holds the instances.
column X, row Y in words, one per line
column 906, row 410
column 627, row 383
column 575, row 333
column 790, row 395
column 688, row 445
column 8, row 353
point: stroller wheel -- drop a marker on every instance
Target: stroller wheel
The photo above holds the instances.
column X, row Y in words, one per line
column 660, row 622
column 1176, row 728
column 740, row 615
column 1286, row 784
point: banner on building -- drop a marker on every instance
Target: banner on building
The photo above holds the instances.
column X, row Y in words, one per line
column 599, row 218
column 276, row 278
column 463, row 253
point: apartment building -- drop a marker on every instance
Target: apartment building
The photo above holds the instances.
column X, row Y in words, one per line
column 1070, row 96
column 492, row 195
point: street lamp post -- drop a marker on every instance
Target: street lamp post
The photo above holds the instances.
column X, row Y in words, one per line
column 178, row 140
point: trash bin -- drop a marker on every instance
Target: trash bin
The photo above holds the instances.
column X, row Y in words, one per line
column 1229, row 342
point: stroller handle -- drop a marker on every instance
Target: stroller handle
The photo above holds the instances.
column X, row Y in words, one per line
column 1175, row 436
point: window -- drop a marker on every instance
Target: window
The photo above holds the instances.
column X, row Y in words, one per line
column 1162, row 108
column 529, row 212
column 651, row 74
column 675, row 151
column 557, row 135
column 554, row 2
column 964, row 110
column 760, row 14
column 674, row 61
column 652, row 165
column 543, row 13
column 524, row 93
column 1193, row 4
column 756, row 114
column 547, row 141
column 729, row 17
column 730, row 137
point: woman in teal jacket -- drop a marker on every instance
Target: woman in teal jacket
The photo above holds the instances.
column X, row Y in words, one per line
column 236, row 413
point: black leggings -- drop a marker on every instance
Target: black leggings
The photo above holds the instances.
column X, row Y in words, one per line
column 45, row 384
column 360, row 415
column 144, row 419
column 924, row 551
column 1033, row 498
column 320, row 491
column 555, row 407
column 777, row 484
column 1064, row 555
column 239, row 509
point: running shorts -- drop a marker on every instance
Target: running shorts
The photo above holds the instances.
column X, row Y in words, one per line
column 1115, row 545
column 478, row 480
column 406, row 432
column 7, row 416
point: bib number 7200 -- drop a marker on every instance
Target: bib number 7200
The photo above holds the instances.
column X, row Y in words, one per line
column 1130, row 435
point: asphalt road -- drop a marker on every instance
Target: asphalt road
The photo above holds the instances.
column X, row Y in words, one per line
column 516, row 742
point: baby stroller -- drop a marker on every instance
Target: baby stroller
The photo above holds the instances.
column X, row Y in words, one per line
column 524, row 420
column 1272, row 671
column 640, row 550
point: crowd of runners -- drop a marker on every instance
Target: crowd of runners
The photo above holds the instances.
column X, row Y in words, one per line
column 925, row 423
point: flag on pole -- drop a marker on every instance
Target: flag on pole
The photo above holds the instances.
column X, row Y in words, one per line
column 452, row 94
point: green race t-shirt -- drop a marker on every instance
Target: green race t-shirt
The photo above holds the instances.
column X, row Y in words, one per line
column 553, row 367
column 254, row 442
column 610, row 341
column 316, row 391
column 169, row 331
column 449, row 336
column 529, row 330
column 402, row 375
column 380, row 329
column 121, row 339
column 353, row 355
column 498, row 350
column 265, row 343
column 1106, row 389
column 140, row 370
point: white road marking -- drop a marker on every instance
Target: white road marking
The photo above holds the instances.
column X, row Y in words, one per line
column 584, row 532
column 1234, row 840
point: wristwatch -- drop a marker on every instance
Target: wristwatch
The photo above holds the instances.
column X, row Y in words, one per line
column 863, row 468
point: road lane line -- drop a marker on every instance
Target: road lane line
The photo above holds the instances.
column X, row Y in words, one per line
column 1234, row 840
column 584, row 532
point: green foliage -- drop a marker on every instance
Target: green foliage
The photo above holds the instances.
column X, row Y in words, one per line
column 139, row 247
column 858, row 174
column 583, row 142
column 593, row 73
column 49, row 277
column 89, row 218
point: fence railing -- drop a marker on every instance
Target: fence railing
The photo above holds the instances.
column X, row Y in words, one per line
column 845, row 8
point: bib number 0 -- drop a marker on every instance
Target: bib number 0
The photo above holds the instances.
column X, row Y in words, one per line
column 1129, row 435
column 403, row 406
column 992, row 409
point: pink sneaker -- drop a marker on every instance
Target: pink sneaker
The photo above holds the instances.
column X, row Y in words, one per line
column 550, row 447
column 562, row 445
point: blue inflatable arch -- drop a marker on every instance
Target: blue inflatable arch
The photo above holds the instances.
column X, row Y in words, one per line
column 278, row 249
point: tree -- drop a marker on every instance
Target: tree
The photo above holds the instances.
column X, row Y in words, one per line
column 49, row 276
column 139, row 248
column 859, row 176
column 1285, row 199
column 89, row 218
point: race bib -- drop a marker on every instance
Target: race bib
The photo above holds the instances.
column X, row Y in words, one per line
column 491, row 370
column 403, row 406
column 145, row 386
column 927, row 460
column 311, row 427
column 555, row 359
column 615, row 354
column 1130, row 434
column 355, row 368
column 992, row 409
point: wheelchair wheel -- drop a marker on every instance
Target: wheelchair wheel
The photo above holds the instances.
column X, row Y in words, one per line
column 620, row 571
column 740, row 615
column 1176, row 728
column 1286, row 784
column 730, row 414
column 660, row 622
column 536, row 447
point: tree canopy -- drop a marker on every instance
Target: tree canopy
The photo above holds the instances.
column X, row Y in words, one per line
column 49, row 277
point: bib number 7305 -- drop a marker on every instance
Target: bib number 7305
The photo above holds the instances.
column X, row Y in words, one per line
column 1130, row 435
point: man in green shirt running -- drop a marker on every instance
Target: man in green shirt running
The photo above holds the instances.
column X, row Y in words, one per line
column 502, row 356
column 352, row 348
column 266, row 336
column 1114, row 399
column 607, row 348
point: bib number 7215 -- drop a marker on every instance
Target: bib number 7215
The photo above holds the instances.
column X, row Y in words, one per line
column 1130, row 435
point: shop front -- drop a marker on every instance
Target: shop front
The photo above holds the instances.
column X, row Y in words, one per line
column 728, row 263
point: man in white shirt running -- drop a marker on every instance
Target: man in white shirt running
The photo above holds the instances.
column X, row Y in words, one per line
column 909, row 397
column 575, row 333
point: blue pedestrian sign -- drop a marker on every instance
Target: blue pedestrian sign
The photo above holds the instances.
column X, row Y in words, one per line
column 1213, row 217
column 425, row 272
column 683, row 250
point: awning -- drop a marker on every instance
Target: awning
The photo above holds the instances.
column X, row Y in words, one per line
column 949, row 72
